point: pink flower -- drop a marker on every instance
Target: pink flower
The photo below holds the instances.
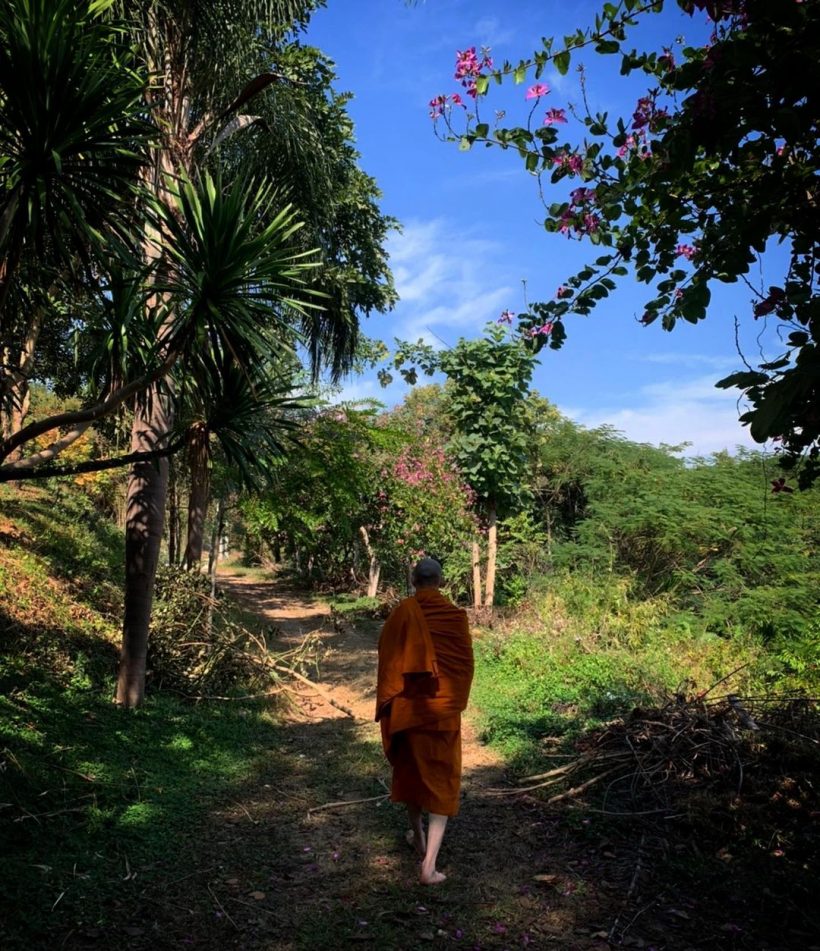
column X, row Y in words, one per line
column 466, row 63
column 538, row 90
column 572, row 162
column 566, row 222
column 506, row 317
column 591, row 223
column 667, row 59
column 580, row 195
column 647, row 113
column 545, row 329
column 457, row 100
column 554, row 116
column 631, row 142
column 685, row 251
column 436, row 105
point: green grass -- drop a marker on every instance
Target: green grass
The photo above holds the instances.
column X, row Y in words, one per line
column 90, row 791
column 586, row 653
column 353, row 604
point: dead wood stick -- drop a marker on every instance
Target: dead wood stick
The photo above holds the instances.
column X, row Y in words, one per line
column 320, row 690
column 495, row 791
column 251, row 696
column 558, row 771
column 742, row 713
column 346, row 802
column 571, row 767
column 640, row 812
column 577, row 789
column 613, row 931
column 254, row 821
column 722, row 680
column 222, row 908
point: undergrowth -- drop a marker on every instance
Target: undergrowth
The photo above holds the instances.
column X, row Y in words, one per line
column 95, row 801
column 585, row 650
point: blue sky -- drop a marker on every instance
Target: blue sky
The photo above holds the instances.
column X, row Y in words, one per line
column 472, row 222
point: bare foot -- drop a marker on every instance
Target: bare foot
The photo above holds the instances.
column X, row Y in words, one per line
column 431, row 878
column 418, row 842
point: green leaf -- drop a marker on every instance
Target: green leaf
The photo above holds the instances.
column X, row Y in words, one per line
column 465, row 143
column 742, row 379
column 561, row 62
column 608, row 46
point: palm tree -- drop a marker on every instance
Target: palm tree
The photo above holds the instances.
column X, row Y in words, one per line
column 72, row 136
column 229, row 280
column 202, row 75
column 156, row 308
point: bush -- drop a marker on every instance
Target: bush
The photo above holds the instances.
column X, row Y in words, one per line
column 194, row 647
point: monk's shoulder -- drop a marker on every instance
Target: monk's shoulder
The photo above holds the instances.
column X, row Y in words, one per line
column 399, row 613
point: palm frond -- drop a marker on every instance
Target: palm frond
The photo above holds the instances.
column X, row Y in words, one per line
column 233, row 270
column 72, row 129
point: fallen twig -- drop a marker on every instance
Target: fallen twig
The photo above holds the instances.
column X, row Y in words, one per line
column 254, row 821
column 346, row 802
column 222, row 907
column 570, row 793
column 315, row 687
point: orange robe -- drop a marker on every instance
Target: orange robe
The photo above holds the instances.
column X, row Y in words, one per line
column 425, row 673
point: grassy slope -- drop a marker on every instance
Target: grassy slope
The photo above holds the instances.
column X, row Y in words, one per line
column 87, row 791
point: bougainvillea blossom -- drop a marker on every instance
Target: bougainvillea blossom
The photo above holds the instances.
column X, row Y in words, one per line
column 555, row 116
column 536, row 91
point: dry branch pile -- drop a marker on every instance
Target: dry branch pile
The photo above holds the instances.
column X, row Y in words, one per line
column 689, row 752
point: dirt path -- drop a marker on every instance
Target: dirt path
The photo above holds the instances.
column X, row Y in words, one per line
column 347, row 667
column 277, row 870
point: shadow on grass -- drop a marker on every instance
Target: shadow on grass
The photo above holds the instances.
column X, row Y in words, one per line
column 189, row 826
column 65, row 530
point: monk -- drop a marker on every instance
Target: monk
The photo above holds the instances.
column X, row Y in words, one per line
column 425, row 673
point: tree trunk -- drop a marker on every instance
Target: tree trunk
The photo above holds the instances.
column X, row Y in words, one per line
column 213, row 560
column 374, row 569
column 173, row 515
column 216, row 537
column 492, row 551
column 476, row 575
column 199, row 461
column 145, row 512
column 18, row 395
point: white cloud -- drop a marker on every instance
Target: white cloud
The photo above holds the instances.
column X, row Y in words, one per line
column 449, row 283
column 690, row 360
column 489, row 32
column 673, row 412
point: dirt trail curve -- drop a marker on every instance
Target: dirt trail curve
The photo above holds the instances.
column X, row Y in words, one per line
column 347, row 668
column 276, row 869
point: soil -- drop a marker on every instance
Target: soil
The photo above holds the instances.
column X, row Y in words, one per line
column 280, row 867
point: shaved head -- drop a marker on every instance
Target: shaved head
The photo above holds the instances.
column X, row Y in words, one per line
column 427, row 574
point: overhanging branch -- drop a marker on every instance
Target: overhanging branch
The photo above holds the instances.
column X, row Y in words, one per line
column 9, row 474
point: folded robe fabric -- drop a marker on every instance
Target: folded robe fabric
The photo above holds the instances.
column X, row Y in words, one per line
column 425, row 673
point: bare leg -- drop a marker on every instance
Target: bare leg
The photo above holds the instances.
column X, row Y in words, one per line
column 418, row 839
column 436, row 825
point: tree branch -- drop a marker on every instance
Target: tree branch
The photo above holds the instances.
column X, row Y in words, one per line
column 10, row 474
column 89, row 415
